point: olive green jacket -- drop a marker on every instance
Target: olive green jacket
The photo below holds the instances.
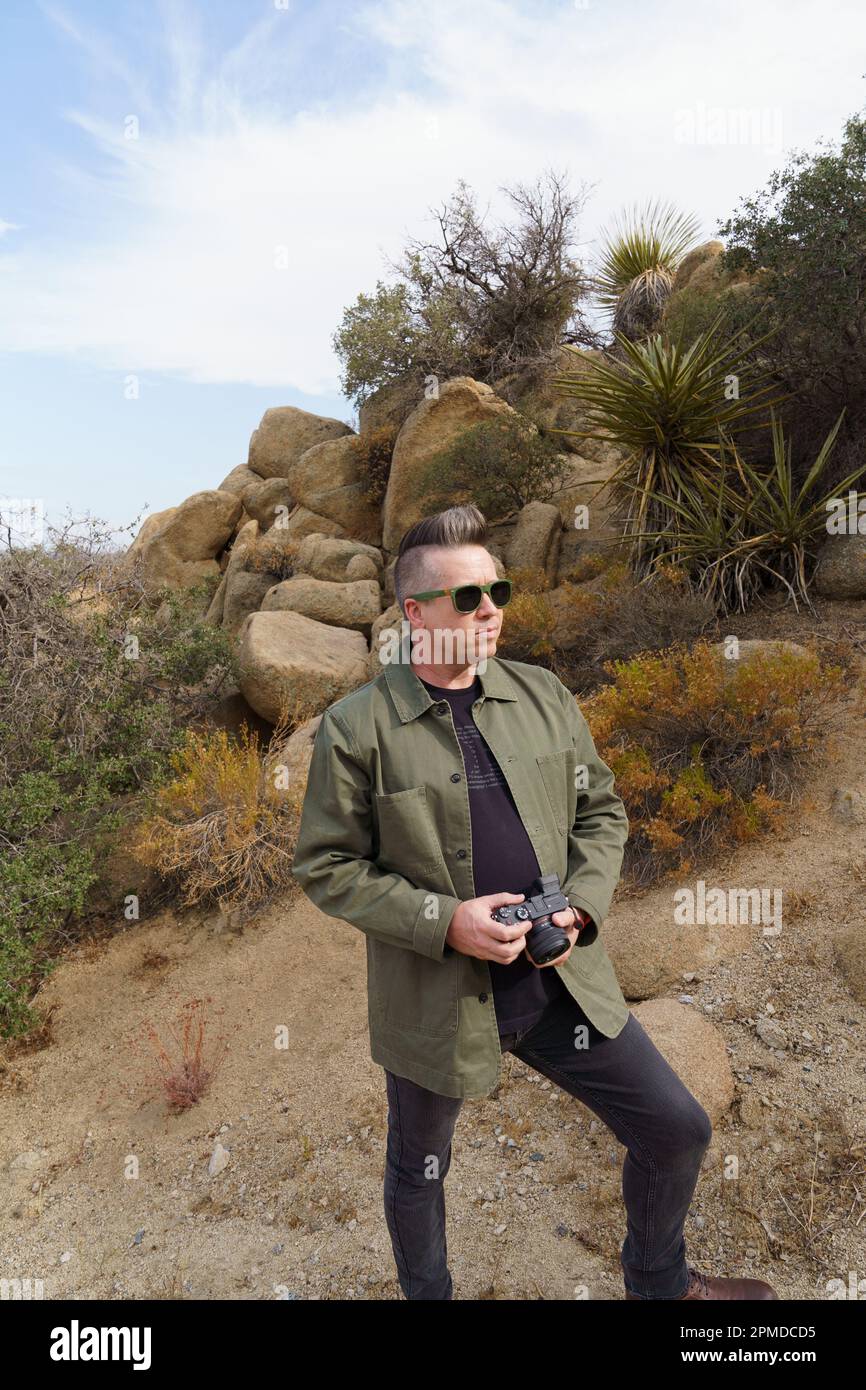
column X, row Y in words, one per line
column 385, row 844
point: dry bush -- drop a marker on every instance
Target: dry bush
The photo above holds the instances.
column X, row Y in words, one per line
column 527, row 622
column 617, row 619
column 706, row 752
column 609, row 619
column 223, row 828
column 273, row 553
column 185, row 1076
column 373, row 452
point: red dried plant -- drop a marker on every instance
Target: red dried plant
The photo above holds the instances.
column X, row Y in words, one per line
column 185, row 1076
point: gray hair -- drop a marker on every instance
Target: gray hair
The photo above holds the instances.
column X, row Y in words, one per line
column 464, row 525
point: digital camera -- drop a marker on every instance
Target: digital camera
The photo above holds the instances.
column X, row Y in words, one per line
column 544, row 940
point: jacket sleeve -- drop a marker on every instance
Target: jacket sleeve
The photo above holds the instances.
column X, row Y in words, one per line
column 332, row 860
column 597, row 838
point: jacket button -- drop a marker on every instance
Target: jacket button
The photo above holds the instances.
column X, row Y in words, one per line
column 455, row 777
column 482, row 998
column 461, row 854
column 440, row 709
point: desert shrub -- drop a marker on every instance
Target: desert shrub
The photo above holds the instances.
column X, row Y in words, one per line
column 706, row 752
column 500, row 465
column 95, row 687
column 373, row 452
column 222, row 828
column 185, row 1067
column 482, row 301
column 527, row 622
column 671, row 408
column 742, row 528
column 691, row 312
column 587, row 566
column 527, row 628
column 273, row 553
column 806, row 233
column 614, row 619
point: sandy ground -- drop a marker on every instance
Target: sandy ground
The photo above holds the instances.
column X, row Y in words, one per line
column 107, row 1193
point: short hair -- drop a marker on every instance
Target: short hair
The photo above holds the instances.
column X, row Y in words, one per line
column 465, row 525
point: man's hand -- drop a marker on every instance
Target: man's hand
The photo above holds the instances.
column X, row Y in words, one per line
column 473, row 931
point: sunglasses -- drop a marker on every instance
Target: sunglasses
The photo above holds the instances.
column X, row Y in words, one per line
column 467, row 597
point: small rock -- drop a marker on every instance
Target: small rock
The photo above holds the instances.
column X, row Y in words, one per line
column 219, row 1160
column 771, row 1032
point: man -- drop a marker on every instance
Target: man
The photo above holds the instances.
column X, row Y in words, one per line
column 438, row 792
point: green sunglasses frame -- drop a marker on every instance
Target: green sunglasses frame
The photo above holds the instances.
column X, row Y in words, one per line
column 485, row 589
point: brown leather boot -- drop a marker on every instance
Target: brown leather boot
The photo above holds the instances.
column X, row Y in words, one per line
column 705, row 1286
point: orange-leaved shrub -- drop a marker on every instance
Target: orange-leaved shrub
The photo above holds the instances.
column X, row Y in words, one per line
column 527, row 621
column 222, row 829
column 707, row 752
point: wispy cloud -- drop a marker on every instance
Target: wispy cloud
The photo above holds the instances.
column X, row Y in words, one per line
column 237, row 200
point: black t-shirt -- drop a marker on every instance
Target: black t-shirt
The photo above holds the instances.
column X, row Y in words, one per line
column 503, row 861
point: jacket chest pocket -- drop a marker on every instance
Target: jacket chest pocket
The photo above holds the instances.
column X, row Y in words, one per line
column 557, row 771
column 408, row 842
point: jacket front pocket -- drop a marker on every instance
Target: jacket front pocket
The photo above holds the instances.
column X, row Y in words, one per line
column 408, row 842
column 557, row 772
column 411, row 993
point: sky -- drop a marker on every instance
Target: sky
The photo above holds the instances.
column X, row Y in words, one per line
column 192, row 191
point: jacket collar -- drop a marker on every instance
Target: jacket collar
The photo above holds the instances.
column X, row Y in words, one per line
column 411, row 698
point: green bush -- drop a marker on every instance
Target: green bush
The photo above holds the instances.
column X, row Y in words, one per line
column 96, row 688
column 806, row 235
column 500, row 465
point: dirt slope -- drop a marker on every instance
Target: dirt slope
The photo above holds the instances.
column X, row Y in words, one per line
column 297, row 1211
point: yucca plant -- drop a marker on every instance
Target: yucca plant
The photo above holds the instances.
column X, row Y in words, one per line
column 737, row 527
column 639, row 259
column 670, row 407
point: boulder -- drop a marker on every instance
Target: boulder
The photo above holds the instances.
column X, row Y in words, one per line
column 389, row 621
column 302, row 522
column 287, row 659
column 850, row 954
column 695, row 1049
column 296, row 753
column 239, row 480
column 434, row 424
column 586, row 486
column 536, row 539
column 840, row 571
column 269, row 500
column 149, row 528
column 214, row 613
column 651, row 951
column 285, row 432
column 327, row 479
column 354, row 605
column 703, row 257
column 245, row 592
column 326, row 557
column 541, row 397
column 182, row 549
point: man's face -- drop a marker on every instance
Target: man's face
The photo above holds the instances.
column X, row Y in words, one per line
column 475, row 634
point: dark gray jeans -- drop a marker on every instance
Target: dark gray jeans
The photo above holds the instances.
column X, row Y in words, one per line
column 627, row 1082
